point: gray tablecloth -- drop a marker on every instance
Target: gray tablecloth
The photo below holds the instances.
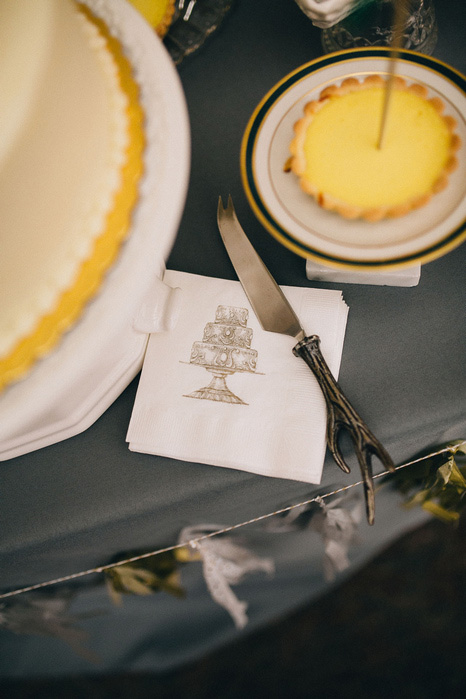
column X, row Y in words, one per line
column 81, row 503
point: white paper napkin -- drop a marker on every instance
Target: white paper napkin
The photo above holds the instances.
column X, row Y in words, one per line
column 278, row 428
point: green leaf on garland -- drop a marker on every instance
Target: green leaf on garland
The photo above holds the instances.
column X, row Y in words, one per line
column 436, row 483
column 459, row 445
column 440, row 512
column 157, row 573
column 450, row 473
column 186, row 554
column 418, row 498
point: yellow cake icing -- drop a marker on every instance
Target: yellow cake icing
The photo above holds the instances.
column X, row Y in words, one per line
column 159, row 13
column 336, row 157
column 70, row 163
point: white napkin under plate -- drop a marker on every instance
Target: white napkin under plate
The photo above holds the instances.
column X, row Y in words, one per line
column 274, row 424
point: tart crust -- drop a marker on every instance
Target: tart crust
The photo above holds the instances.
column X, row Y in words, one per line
column 299, row 160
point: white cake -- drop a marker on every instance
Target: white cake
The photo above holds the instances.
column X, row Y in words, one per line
column 70, row 161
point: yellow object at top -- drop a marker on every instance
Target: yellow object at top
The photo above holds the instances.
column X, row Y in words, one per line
column 158, row 13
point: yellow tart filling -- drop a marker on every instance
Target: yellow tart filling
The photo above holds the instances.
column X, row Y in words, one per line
column 336, row 156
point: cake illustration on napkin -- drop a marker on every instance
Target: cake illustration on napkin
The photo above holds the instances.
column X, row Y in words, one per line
column 337, row 157
column 225, row 349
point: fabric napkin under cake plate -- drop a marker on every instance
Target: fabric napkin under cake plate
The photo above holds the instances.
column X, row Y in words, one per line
column 260, row 409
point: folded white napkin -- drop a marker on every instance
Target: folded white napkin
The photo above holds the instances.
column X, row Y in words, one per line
column 217, row 389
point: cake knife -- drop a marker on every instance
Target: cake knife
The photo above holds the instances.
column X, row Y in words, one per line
column 399, row 20
column 275, row 314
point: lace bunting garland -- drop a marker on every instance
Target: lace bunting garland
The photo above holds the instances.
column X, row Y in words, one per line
column 436, row 485
column 224, row 563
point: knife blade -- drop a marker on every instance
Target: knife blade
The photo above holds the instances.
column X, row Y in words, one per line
column 399, row 21
column 275, row 314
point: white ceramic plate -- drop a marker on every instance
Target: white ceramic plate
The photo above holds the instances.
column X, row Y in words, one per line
column 295, row 218
column 96, row 360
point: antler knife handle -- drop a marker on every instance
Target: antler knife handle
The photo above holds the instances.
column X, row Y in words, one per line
column 342, row 415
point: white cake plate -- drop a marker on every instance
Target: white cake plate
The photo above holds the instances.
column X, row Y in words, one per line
column 69, row 389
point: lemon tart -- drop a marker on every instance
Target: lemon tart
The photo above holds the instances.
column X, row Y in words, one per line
column 336, row 157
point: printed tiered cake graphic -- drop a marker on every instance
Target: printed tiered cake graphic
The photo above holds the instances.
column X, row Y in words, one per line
column 225, row 349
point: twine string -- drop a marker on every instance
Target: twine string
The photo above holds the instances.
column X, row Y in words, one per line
column 225, row 530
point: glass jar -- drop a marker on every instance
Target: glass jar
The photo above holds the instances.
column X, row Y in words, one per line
column 371, row 24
